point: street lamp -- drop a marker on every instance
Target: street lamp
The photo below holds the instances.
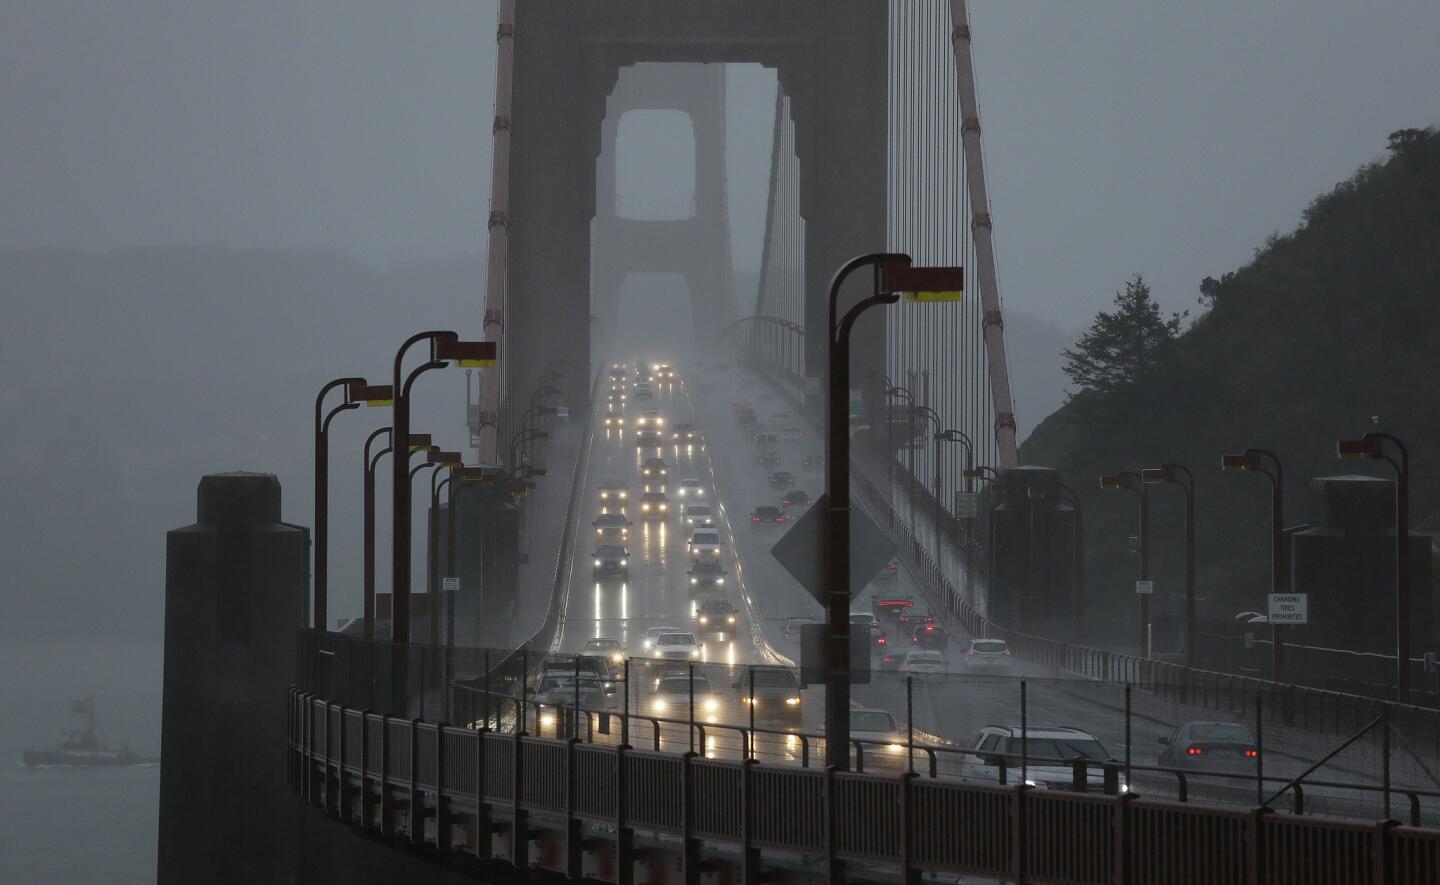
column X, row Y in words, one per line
column 1177, row 474
column 524, row 435
column 1128, row 481
column 352, row 387
column 447, row 461
column 419, row 442
column 1372, row 445
column 1077, row 553
column 892, row 274
column 445, row 347
column 1250, row 461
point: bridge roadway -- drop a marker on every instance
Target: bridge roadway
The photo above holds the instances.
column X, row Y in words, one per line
column 947, row 711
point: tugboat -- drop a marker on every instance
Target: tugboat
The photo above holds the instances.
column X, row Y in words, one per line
column 84, row 746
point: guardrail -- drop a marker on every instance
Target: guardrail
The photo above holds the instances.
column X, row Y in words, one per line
column 452, row 789
column 1322, row 710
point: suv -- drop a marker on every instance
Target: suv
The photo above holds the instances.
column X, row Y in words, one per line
column 614, row 490
column 1050, row 751
column 611, row 525
column 781, row 478
column 716, row 616
column 767, row 516
column 691, row 488
column 987, row 654
column 777, row 694
column 707, row 574
column 647, row 438
column 650, row 418
column 643, row 390
column 654, row 469
column 696, row 514
column 705, row 540
column 684, row 433
column 653, row 505
column 612, row 560
column 677, row 646
column 892, row 606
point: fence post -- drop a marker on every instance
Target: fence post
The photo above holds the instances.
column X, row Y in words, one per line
column 442, row 817
column 1255, row 854
column 624, row 836
column 483, row 831
column 625, row 714
column 834, row 867
column 574, row 855
column 519, row 824
column 385, row 829
column 365, row 769
column 1259, row 751
column 689, row 845
column 417, row 820
column 749, row 855
column 342, row 808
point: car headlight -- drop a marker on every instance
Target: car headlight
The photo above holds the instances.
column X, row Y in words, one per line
column 721, row 580
column 645, row 507
column 623, row 495
column 660, row 705
column 547, row 719
column 664, row 506
column 597, row 563
column 704, row 619
column 711, row 705
column 694, row 580
column 694, row 652
column 617, row 658
column 624, row 562
column 731, row 619
column 895, row 748
column 792, row 702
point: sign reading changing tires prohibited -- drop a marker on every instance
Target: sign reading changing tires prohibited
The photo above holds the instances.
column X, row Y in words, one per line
column 967, row 505
column 1289, row 608
column 1144, row 588
column 450, row 585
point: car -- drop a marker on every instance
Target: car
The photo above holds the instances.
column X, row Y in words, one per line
column 558, row 690
column 768, row 458
column 887, row 574
column 654, row 469
column 647, row 438
column 925, row 661
column 610, row 649
column 617, row 373
column 654, row 633
column 911, row 618
column 650, row 418
column 987, row 654
column 594, row 666
column 813, row 460
column 684, row 433
column 612, row 525
column 1224, row 747
column 676, row 646
column 767, row 515
column 654, row 505
column 673, row 695
column 691, row 488
column 891, row 607
column 791, row 432
column 742, row 406
column 877, row 731
column 893, row 659
column 780, row 419
column 781, row 479
column 1050, row 751
column 696, row 514
column 746, row 418
column 644, row 391
column 705, row 540
column 707, row 574
column 878, row 637
column 776, row 694
column 797, row 498
column 793, row 625
column 614, row 422
column 612, row 561
column 614, row 490
column 928, row 636
column 716, row 616
column 766, row 440
column 664, row 372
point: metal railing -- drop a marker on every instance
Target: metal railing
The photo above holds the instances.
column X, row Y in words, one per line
column 431, row 784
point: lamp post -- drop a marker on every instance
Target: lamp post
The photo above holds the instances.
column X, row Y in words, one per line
column 1077, row 543
column 1372, row 445
column 445, row 347
column 351, row 386
column 1178, row 474
column 525, row 434
column 1129, row 481
column 419, row 442
column 1251, row 461
column 447, row 461
column 892, row 274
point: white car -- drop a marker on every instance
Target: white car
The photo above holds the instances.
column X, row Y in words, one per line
column 655, row 633
column 1050, row 751
column 705, row 540
column 696, row 514
column 987, row 654
column 676, row 646
column 650, row 419
column 671, row 698
column 690, row 488
column 925, row 661
column 877, row 730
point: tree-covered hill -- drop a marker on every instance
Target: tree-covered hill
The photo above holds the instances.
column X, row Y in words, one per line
column 1330, row 331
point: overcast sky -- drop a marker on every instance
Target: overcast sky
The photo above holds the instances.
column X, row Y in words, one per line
column 1121, row 135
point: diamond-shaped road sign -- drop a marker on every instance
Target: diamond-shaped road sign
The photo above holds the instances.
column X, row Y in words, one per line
column 799, row 549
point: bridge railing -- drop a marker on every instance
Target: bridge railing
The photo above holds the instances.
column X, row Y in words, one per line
column 427, row 783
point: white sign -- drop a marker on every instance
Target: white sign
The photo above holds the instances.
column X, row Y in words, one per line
column 1289, row 608
column 450, row 585
column 812, row 385
column 857, row 402
column 967, row 505
column 1145, row 588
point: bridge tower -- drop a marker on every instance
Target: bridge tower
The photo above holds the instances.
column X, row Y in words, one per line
column 831, row 59
column 695, row 248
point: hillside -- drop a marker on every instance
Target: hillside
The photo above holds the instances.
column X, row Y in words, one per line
column 1330, row 331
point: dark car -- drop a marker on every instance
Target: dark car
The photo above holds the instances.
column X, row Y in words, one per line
column 716, row 616
column 776, row 695
column 654, row 505
column 767, row 516
column 654, row 470
column 797, row 498
column 781, row 478
column 892, row 660
column 707, row 574
column 1210, row 746
column 768, row 458
column 612, row 561
column 916, row 617
column 684, row 433
column 647, row 438
column 928, row 636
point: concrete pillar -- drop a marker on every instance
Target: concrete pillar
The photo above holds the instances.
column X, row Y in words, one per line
column 235, row 593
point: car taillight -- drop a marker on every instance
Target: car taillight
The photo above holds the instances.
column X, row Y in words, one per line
column 754, row 519
column 1252, row 754
column 1007, row 651
column 929, row 629
column 972, row 653
column 880, row 640
column 1194, row 751
column 889, row 659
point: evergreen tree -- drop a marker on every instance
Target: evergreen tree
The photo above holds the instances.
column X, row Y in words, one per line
column 1122, row 346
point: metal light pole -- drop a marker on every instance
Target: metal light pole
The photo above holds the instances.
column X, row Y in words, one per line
column 369, row 530
column 322, row 489
column 1130, row 481
column 1177, row 474
column 1372, row 445
column 447, row 461
column 1077, row 544
column 1250, row 461
column 892, row 274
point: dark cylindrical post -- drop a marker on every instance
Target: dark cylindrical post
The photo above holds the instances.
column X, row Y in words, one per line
column 575, row 721
column 321, row 539
column 691, row 688
column 1144, row 572
column 752, row 711
column 1128, row 733
column 910, row 724
column 400, row 488
column 625, row 713
column 1385, row 756
column 369, row 542
column 1259, row 751
column 1024, row 736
